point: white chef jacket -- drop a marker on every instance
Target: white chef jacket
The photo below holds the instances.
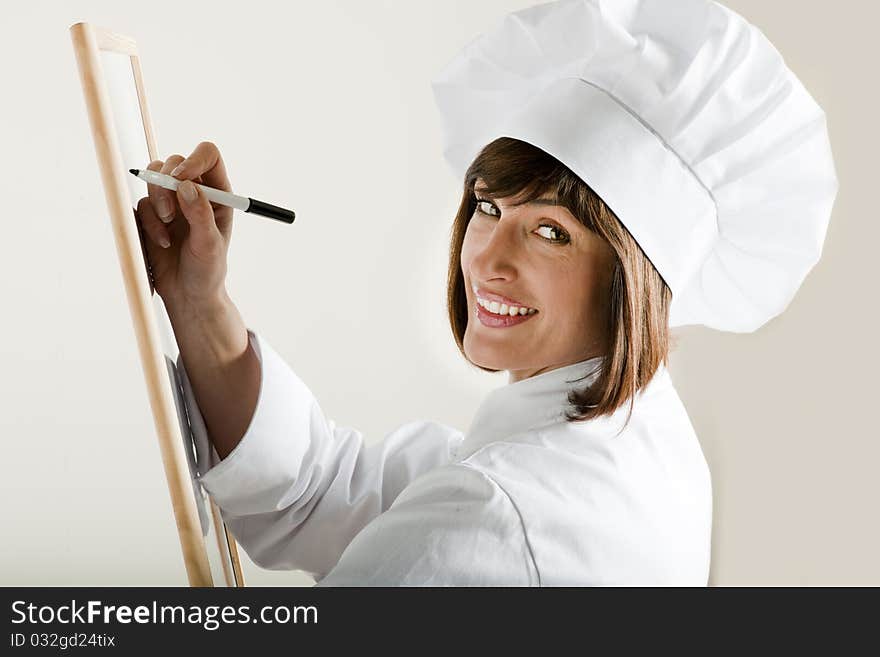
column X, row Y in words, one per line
column 522, row 499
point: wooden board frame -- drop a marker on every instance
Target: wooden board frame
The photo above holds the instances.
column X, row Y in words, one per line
column 88, row 42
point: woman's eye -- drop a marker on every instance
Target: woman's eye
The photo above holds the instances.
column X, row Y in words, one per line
column 481, row 204
column 563, row 235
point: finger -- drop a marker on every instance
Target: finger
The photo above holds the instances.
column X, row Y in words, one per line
column 205, row 165
column 163, row 200
column 204, row 161
column 170, row 163
column 154, row 228
column 205, row 238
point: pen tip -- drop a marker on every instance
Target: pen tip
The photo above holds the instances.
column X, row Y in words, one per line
column 134, row 171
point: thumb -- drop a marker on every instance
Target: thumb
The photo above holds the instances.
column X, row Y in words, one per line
column 203, row 232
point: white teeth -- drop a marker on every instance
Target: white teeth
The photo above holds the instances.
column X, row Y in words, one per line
column 504, row 309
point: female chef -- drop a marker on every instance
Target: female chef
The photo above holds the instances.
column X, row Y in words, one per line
column 622, row 175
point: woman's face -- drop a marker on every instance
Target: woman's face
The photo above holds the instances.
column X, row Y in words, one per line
column 541, row 256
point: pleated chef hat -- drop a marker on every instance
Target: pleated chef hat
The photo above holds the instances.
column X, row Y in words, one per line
column 683, row 118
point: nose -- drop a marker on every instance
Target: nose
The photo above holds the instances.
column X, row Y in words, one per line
column 497, row 256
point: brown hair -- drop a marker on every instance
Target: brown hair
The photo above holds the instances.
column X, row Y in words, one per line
column 639, row 299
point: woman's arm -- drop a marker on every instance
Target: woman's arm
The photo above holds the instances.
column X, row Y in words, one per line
column 223, row 370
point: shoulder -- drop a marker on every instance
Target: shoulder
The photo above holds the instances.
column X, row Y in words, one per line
column 592, row 497
column 656, row 449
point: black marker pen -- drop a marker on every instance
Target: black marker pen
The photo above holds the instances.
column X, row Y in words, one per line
column 219, row 196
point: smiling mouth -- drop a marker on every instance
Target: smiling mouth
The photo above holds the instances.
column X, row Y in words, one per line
column 500, row 305
column 495, row 320
column 503, row 310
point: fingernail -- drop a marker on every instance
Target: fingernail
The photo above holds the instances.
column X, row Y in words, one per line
column 164, row 209
column 180, row 167
column 164, row 242
column 188, row 191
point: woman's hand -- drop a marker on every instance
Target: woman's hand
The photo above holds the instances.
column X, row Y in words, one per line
column 191, row 271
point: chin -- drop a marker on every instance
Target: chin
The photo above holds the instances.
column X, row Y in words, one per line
column 487, row 356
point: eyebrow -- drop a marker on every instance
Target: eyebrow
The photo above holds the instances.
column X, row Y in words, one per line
column 537, row 201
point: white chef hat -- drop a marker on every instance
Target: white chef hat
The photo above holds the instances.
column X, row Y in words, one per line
column 683, row 118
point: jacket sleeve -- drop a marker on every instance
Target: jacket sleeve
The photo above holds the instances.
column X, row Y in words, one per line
column 297, row 487
column 453, row 526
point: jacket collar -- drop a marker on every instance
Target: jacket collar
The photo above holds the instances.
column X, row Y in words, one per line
column 526, row 405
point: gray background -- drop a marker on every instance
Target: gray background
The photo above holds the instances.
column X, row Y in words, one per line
column 326, row 107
